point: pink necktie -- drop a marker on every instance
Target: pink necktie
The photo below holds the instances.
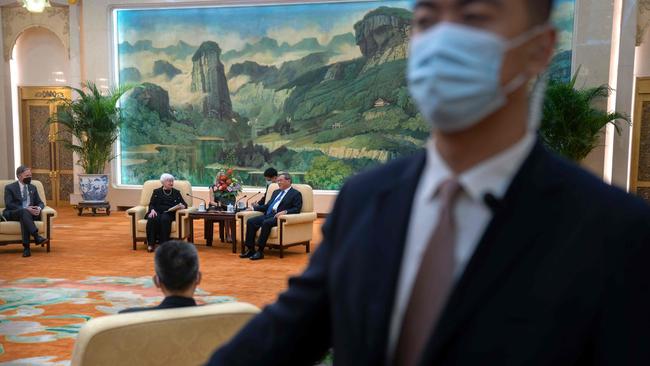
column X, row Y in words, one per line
column 432, row 283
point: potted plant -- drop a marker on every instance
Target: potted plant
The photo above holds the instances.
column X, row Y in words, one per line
column 94, row 120
column 572, row 124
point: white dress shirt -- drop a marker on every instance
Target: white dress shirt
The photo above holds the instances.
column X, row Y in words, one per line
column 470, row 212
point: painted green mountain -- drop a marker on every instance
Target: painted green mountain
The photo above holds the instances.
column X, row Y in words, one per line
column 341, row 41
column 162, row 67
column 265, row 45
column 270, row 46
column 180, row 50
column 274, row 78
column 356, row 104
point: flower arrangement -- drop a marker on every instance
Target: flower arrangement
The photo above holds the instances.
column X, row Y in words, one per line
column 226, row 187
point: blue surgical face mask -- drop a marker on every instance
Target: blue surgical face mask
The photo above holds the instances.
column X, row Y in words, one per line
column 268, row 181
column 454, row 74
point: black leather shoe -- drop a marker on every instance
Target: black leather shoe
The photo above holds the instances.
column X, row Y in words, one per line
column 27, row 252
column 39, row 240
column 257, row 256
column 249, row 253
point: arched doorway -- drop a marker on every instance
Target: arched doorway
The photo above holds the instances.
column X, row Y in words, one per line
column 41, row 74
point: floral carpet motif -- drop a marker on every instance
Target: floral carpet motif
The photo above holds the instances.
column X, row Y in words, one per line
column 50, row 310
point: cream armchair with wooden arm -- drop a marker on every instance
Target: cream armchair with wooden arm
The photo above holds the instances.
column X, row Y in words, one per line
column 180, row 227
column 10, row 232
column 293, row 229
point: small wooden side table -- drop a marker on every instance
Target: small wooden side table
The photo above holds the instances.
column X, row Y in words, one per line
column 106, row 206
column 228, row 218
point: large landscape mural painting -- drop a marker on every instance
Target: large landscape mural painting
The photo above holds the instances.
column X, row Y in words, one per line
column 318, row 90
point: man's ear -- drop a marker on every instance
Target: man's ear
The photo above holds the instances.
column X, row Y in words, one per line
column 199, row 275
column 156, row 281
column 542, row 51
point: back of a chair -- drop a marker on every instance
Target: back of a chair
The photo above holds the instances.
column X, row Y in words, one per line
column 148, row 187
column 307, row 197
column 36, row 183
column 269, row 193
column 183, row 336
column 305, row 190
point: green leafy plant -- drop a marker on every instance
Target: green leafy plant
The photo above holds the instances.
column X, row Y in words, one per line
column 327, row 173
column 94, row 119
column 571, row 124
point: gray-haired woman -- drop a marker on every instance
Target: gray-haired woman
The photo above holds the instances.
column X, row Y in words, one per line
column 159, row 223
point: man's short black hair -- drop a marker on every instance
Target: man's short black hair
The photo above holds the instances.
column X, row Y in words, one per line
column 177, row 265
column 539, row 10
column 270, row 173
column 21, row 169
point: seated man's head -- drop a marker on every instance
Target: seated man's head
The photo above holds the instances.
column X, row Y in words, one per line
column 284, row 181
column 24, row 174
column 177, row 268
column 270, row 175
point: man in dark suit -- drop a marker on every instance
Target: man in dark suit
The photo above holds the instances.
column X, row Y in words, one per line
column 22, row 203
column 285, row 200
column 177, row 275
column 270, row 176
column 484, row 249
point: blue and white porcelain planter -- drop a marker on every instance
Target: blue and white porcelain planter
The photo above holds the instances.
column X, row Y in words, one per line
column 93, row 187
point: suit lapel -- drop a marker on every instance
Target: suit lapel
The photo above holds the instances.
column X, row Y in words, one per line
column 19, row 194
column 392, row 211
column 508, row 236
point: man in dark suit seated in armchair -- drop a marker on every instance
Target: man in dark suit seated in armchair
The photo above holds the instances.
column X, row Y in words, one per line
column 22, row 203
column 284, row 201
column 177, row 275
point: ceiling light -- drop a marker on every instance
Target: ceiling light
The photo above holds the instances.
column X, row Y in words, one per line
column 36, row 6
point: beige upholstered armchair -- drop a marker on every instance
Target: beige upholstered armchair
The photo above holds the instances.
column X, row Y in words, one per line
column 10, row 230
column 182, row 336
column 295, row 229
column 180, row 227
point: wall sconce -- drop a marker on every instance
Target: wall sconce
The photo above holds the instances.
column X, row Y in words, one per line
column 36, row 6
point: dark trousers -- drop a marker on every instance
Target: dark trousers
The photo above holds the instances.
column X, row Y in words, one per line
column 265, row 223
column 27, row 226
column 159, row 228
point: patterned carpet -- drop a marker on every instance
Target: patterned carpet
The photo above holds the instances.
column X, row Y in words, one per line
column 92, row 271
column 48, row 310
